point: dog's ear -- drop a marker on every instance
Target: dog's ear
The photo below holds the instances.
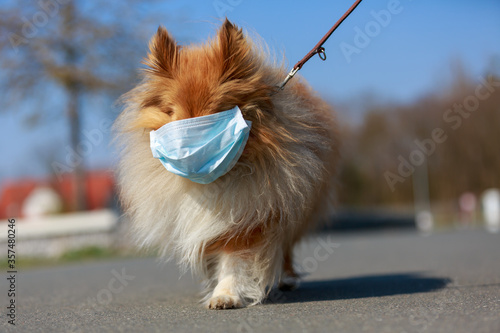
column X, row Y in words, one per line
column 235, row 52
column 163, row 54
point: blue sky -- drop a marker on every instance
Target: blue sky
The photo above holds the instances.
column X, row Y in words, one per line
column 407, row 58
column 410, row 56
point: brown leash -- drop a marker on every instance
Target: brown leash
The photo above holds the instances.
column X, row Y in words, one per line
column 318, row 49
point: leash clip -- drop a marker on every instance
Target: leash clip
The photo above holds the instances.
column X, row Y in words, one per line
column 288, row 77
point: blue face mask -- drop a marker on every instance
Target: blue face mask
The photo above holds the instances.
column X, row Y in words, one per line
column 203, row 148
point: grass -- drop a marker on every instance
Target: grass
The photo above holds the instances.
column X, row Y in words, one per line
column 85, row 254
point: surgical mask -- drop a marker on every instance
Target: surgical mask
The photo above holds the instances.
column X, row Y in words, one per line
column 201, row 149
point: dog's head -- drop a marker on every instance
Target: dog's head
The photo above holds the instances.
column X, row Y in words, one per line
column 191, row 81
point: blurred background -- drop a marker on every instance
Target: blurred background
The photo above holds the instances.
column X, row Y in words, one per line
column 416, row 85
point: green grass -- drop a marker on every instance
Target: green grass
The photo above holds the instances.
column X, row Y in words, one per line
column 89, row 253
column 86, row 254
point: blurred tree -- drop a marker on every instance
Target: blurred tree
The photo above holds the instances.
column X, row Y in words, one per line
column 53, row 50
column 468, row 159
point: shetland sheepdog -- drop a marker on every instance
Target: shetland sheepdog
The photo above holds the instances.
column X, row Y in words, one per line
column 238, row 232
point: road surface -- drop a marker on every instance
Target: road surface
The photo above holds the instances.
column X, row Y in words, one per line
column 368, row 282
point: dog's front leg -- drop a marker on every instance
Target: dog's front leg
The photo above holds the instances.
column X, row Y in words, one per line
column 225, row 295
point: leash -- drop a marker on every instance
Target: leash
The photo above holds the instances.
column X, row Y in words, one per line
column 318, row 49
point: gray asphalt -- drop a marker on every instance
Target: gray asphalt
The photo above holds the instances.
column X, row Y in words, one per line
column 397, row 282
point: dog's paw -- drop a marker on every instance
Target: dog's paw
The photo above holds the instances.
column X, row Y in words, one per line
column 222, row 302
column 289, row 283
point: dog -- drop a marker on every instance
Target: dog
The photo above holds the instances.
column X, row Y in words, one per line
column 237, row 232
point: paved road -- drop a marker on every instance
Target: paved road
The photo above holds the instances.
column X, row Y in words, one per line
column 399, row 282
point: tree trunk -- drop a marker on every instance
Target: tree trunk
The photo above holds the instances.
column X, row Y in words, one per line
column 79, row 185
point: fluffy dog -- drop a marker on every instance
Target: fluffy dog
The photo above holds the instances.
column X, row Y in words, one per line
column 239, row 231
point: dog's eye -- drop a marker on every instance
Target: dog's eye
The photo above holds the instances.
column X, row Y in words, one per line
column 169, row 112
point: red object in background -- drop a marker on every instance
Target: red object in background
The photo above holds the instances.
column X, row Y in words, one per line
column 99, row 187
column 12, row 196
